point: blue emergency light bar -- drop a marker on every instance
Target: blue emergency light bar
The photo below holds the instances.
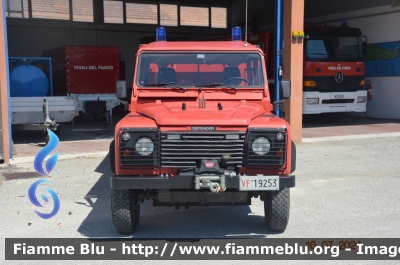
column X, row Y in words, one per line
column 161, row 34
column 236, row 33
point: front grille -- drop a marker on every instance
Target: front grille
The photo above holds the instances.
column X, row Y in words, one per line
column 349, row 83
column 128, row 154
column 337, row 101
column 192, row 147
column 278, row 148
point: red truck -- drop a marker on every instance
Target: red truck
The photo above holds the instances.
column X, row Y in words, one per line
column 333, row 71
column 200, row 132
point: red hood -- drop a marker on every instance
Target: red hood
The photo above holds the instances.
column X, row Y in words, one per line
column 239, row 115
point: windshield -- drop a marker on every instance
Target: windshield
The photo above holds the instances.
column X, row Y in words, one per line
column 198, row 69
column 333, row 48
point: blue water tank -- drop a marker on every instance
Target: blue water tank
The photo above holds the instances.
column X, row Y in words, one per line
column 28, row 81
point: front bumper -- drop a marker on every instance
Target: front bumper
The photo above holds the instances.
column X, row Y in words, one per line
column 180, row 182
column 334, row 107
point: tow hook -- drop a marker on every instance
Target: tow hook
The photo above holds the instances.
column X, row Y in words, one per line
column 207, row 182
column 215, row 187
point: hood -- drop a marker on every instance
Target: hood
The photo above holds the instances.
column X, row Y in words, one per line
column 239, row 115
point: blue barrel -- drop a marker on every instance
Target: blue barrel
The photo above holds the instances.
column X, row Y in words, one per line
column 28, row 81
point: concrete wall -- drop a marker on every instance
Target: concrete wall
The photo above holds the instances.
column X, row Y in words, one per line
column 380, row 24
column 31, row 37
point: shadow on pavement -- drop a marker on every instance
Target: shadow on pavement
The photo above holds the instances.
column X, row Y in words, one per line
column 333, row 119
column 166, row 222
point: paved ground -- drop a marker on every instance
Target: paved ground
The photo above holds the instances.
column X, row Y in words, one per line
column 89, row 137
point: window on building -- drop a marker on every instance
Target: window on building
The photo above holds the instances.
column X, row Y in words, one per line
column 113, row 12
column 218, row 17
column 194, row 16
column 141, row 13
column 53, row 9
column 168, row 15
column 82, row 10
column 17, row 8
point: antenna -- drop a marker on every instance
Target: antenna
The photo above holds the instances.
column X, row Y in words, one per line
column 245, row 30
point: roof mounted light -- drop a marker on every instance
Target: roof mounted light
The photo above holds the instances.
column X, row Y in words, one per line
column 344, row 23
column 161, row 34
column 236, row 33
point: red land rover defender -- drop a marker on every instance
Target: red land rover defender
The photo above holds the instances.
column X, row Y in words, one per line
column 200, row 132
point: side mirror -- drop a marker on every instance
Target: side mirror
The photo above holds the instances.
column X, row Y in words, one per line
column 285, row 89
column 121, row 89
column 364, row 46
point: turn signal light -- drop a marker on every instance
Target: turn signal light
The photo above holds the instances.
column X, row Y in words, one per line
column 362, row 82
column 126, row 153
column 310, row 83
column 279, row 152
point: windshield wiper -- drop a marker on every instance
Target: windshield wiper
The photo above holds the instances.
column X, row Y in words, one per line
column 218, row 84
column 164, row 84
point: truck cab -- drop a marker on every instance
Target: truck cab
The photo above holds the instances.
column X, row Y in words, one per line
column 334, row 70
column 200, row 131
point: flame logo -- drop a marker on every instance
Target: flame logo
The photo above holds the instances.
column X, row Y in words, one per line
column 41, row 155
column 35, row 201
column 50, row 164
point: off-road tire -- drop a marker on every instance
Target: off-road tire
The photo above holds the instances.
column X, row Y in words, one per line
column 125, row 210
column 276, row 209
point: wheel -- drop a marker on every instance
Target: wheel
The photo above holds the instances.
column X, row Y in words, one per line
column 125, row 210
column 235, row 78
column 276, row 209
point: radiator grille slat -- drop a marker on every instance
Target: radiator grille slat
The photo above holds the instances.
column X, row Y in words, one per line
column 192, row 147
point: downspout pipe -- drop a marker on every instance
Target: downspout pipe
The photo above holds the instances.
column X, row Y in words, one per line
column 5, row 127
column 278, row 51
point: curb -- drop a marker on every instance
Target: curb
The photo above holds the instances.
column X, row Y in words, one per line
column 350, row 137
column 30, row 159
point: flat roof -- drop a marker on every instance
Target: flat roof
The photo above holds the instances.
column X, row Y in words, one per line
column 199, row 46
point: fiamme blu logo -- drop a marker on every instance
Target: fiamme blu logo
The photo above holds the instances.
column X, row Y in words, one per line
column 49, row 165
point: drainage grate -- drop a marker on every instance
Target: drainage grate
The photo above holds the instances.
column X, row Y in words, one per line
column 21, row 175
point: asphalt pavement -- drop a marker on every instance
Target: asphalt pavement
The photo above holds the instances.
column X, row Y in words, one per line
column 344, row 189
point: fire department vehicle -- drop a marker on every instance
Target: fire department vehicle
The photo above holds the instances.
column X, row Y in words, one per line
column 333, row 71
column 200, row 132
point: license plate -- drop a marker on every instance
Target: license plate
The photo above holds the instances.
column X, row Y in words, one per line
column 259, row 183
column 338, row 96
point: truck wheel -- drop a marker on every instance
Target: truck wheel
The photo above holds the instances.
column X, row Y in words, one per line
column 276, row 209
column 125, row 210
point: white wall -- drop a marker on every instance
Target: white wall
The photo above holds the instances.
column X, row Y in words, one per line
column 379, row 25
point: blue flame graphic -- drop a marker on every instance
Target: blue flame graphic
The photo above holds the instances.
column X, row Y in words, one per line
column 50, row 164
column 34, row 200
column 44, row 152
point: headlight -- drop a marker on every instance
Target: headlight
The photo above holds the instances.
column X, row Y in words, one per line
column 144, row 146
column 361, row 99
column 312, row 101
column 261, row 146
column 126, row 136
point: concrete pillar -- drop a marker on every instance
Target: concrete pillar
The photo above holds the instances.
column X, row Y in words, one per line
column 4, row 130
column 293, row 19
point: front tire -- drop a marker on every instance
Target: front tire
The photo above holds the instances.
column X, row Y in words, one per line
column 276, row 209
column 125, row 210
